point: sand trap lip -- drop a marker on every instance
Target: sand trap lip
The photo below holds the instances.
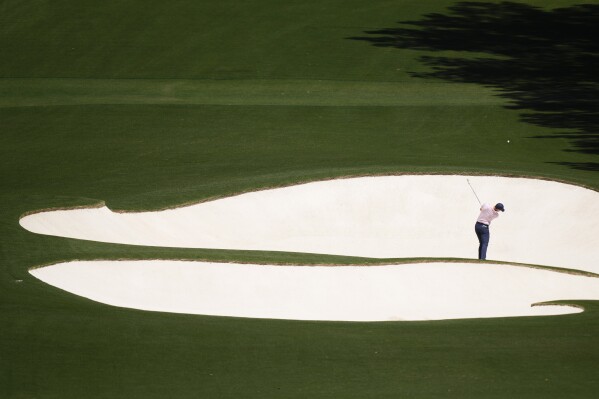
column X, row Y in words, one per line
column 546, row 223
column 431, row 291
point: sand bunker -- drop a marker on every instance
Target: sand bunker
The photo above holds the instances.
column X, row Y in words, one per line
column 430, row 291
column 546, row 223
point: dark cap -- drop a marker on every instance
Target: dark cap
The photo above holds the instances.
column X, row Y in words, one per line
column 500, row 207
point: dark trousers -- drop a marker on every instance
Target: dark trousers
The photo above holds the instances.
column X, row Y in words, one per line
column 483, row 234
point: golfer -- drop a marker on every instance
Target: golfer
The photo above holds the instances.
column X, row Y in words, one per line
column 487, row 214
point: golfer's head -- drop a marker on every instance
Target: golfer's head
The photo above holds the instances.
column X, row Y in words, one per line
column 499, row 207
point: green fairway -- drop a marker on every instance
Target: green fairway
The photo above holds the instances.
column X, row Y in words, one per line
column 148, row 105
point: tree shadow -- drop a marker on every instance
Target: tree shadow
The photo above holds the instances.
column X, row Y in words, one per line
column 588, row 166
column 545, row 62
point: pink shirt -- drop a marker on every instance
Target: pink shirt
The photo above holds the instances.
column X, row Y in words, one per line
column 487, row 214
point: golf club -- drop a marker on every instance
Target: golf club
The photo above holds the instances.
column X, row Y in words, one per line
column 474, row 191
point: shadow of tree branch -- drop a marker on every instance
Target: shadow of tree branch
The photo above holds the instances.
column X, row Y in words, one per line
column 545, row 62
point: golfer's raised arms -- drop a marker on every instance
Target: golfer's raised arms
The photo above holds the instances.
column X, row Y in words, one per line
column 487, row 214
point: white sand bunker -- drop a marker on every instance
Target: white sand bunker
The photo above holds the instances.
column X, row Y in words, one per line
column 546, row 223
column 429, row 291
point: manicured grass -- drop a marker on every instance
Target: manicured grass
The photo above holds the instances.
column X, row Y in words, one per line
column 147, row 104
column 80, row 350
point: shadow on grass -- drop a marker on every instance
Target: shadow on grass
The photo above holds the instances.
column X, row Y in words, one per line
column 544, row 62
column 590, row 166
